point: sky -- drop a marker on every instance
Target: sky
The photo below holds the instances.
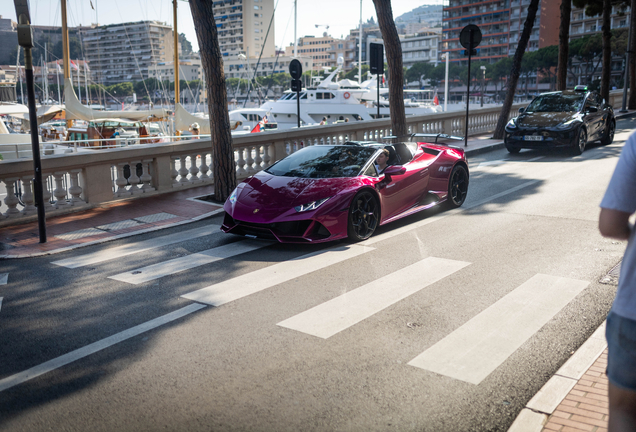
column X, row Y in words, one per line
column 340, row 15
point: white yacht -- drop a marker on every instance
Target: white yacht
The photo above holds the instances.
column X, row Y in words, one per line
column 338, row 102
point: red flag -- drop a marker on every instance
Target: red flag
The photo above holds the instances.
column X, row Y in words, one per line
column 257, row 128
column 74, row 65
column 436, row 100
column 382, row 79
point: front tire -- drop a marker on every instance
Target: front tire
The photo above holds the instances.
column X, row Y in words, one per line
column 512, row 150
column 364, row 216
column 457, row 186
column 608, row 136
column 581, row 141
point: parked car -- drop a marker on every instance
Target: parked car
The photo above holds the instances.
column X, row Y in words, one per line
column 329, row 192
column 568, row 119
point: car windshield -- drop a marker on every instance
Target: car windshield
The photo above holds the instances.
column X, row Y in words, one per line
column 323, row 162
column 556, row 103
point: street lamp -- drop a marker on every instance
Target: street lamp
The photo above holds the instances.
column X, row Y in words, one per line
column 447, row 55
column 25, row 40
column 483, row 83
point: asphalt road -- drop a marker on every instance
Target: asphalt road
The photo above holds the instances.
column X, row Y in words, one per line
column 443, row 321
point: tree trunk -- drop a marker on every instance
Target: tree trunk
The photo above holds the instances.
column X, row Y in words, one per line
column 564, row 47
column 632, row 56
column 606, row 71
column 223, row 167
column 516, row 69
column 393, row 52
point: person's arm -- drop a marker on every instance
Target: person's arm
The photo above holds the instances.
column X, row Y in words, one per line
column 614, row 224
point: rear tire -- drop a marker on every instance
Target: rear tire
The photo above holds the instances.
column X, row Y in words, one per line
column 364, row 216
column 608, row 136
column 457, row 186
column 581, row 141
column 512, row 150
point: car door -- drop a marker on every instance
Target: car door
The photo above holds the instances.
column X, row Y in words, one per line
column 593, row 120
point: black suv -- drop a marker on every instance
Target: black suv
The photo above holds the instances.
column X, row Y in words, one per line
column 570, row 118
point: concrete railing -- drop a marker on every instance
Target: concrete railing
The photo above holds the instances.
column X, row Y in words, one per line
column 85, row 179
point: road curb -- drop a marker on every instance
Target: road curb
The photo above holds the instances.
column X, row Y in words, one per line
column 486, row 149
column 117, row 237
column 534, row 416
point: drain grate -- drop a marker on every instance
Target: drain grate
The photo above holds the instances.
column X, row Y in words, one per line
column 611, row 278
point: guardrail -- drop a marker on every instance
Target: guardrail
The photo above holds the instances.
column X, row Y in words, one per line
column 88, row 176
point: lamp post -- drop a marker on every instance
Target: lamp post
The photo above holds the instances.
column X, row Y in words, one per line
column 25, row 40
column 447, row 54
column 483, row 82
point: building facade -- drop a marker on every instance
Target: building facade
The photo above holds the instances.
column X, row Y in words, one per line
column 501, row 23
column 242, row 27
column 127, row 52
column 244, row 68
column 420, row 47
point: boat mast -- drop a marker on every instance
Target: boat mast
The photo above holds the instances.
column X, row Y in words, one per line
column 65, row 52
column 46, row 74
column 57, row 75
column 295, row 25
column 360, row 49
column 19, row 72
column 176, row 57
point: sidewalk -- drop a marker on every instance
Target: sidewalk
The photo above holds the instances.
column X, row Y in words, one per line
column 110, row 221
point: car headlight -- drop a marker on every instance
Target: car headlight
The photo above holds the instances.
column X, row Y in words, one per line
column 567, row 124
column 310, row 206
column 512, row 124
column 233, row 197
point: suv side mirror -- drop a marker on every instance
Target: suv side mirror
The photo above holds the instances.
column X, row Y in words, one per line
column 591, row 109
column 521, row 110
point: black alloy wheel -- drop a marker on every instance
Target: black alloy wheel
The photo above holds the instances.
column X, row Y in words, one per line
column 608, row 136
column 512, row 150
column 579, row 146
column 364, row 216
column 457, row 186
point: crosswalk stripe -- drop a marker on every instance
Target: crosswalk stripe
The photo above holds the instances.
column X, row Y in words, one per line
column 135, row 247
column 188, row 262
column 4, row 278
column 262, row 279
column 344, row 311
column 482, row 344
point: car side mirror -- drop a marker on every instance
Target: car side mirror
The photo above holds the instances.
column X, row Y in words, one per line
column 521, row 110
column 591, row 109
column 395, row 170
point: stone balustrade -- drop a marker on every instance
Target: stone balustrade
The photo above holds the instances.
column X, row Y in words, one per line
column 80, row 180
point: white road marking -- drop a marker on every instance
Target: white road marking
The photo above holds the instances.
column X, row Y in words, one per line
column 342, row 312
column 260, row 280
column 187, row 262
column 135, row 247
column 4, row 278
column 502, row 161
column 65, row 359
column 1, row 302
column 481, row 345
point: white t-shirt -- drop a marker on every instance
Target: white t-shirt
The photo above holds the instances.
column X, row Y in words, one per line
column 621, row 196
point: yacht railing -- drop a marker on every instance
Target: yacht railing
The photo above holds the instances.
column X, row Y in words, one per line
column 81, row 176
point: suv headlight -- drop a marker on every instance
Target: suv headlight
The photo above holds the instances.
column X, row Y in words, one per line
column 567, row 124
column 512, row 123
column 310, row 206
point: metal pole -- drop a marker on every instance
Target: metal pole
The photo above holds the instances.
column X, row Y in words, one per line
column 295, row 25
column 298, row 107
column 470, row 51
column 483, row 79
column 446, row 83
column 360, row 49
column 378, row 101
column 626, row 79
column 35, row 145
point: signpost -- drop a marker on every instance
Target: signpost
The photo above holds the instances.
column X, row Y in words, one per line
column 376, row 66
column 470, row 38
column 296, row 71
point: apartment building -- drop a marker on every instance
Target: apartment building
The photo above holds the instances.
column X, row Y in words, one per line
column 420, row 47
column 320, row 49
column 127, row 52
column 189, row 70
column 501, row 23
column 244, row 67
column 242, row 27
column 582, row 25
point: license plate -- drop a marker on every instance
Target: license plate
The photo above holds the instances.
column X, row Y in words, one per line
column 533, row 138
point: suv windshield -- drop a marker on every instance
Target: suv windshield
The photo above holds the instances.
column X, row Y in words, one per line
column 557, row 103
column 323, row 162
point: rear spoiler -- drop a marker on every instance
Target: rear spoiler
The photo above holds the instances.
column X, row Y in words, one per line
column 391, row 139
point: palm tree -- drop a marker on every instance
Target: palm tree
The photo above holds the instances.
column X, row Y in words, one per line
column 393, row 51
column 516, row 69
column 564, row 36
column 223, row 167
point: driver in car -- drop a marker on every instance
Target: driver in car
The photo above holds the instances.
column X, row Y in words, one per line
column 381, row 161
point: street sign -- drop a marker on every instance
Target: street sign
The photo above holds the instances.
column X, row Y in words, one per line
column 376, row 60
column 470, row 37
column 296, row 85
column 295, row 69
